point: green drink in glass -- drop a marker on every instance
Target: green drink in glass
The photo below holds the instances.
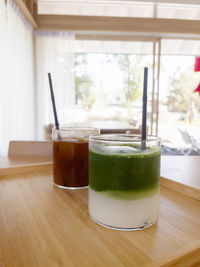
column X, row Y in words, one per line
column 124, row 181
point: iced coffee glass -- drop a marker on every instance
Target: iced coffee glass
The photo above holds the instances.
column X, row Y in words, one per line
column 70, row 156
column 124, row 181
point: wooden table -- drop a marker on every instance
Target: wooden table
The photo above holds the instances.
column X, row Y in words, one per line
column 15, row 165
column 42, row 225
column 181, row 173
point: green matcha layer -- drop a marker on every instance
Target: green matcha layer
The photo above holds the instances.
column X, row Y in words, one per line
column 125, row 176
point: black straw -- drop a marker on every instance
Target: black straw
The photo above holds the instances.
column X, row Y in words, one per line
column 144, row 110
column 53, row 102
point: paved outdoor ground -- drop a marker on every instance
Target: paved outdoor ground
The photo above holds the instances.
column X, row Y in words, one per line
column 174, row 143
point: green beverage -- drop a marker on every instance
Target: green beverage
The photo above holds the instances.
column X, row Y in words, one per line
column 124, row 182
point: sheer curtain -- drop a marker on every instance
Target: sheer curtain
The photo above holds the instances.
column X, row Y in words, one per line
column 54, row 54
column 17, row 119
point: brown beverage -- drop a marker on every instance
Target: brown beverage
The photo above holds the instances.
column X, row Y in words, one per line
column 70, row 163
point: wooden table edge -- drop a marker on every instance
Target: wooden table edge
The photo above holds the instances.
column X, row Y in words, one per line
column 25, row 168
column 190, row 191
column 189, row 254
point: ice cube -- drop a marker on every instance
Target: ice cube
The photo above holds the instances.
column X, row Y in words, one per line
column 119, row 150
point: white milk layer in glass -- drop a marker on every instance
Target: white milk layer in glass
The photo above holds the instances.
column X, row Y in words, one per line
column 120, row 213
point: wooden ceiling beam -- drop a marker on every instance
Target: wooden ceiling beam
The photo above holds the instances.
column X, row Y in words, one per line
column 24, row 8
column 117, row 24
column 110, row 37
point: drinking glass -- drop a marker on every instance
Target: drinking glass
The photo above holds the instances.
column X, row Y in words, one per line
column 124, row 181
column 70, row 156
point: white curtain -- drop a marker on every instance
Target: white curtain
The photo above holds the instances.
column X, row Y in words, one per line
column 17, row 99
column 53, row 54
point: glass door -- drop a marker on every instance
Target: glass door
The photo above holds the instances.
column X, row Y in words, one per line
column 108, row 81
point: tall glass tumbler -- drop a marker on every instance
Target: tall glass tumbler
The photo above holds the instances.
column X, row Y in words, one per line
column 70, row 156
column 124, row 181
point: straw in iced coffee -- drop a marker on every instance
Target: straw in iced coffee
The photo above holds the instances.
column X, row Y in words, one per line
column 53, row 104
